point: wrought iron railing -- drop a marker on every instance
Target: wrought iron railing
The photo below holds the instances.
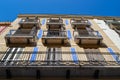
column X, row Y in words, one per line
column 21, row 33
column 92, row 34
column 47, row 34
column 61, row 61
column 29, row 21
column 85, row 22
column 55, row 21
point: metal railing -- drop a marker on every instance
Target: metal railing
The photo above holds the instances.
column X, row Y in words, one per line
column 85, row 22
column 55, row 20
column 91, row 34
column 54, row 34
column 21, row 33
column 29, row 21
column 61, row 62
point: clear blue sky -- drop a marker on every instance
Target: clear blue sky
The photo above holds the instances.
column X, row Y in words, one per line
column 9, row 9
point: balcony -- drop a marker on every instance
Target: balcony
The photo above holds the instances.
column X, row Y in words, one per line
column 29, row 22
column 21, row 37
column 112, row 22
column 80, row 23
column 55, row 24
column 115, row 25
column 57, row 37
column 87, row 37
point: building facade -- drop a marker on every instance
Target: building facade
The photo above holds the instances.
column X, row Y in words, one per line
column 60, row 45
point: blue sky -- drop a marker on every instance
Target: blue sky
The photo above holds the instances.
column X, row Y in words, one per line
column 9, row 9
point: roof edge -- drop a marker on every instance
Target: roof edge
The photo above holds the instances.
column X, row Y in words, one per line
column 70, row 16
